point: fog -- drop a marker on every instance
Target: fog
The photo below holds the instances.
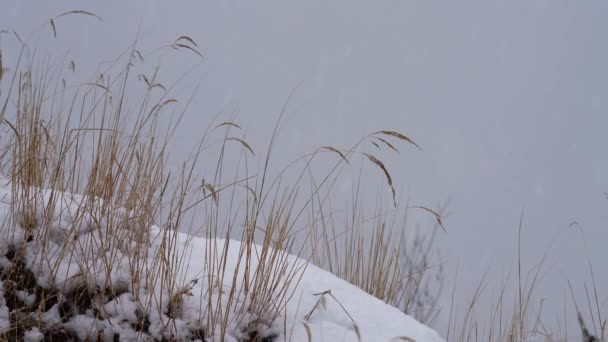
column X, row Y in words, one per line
column 508, row 100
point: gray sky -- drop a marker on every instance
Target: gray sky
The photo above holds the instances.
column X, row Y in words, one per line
column 509, row 100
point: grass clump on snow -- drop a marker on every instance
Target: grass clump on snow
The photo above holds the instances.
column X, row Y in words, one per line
column 93, row 219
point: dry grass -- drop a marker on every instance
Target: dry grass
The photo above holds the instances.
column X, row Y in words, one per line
column 113, row 150
column 114, row 155
column 115, row 158
column 516, row 312
column 378, row 253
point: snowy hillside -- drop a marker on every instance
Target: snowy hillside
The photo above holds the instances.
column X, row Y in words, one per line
column 44, row 287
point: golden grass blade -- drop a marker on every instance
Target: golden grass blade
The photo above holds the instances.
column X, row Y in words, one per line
column 100, row 86
column 166, row 102
column 138, row 54
column 159, row 106
column 388, row 144
column 150, row 84
column 322, row 293
column 73, row 66
column 145, row 79
column 437, row 216
column 214, row 193
column 17, row 36
column 335, row 150
column 79, row 12
column 357, row 332
column 398, row 136
column 184, row 46
column 53, row 27
column 246, row 145
column 159, row 85
column 380, row 164
column 228, row 123
column 308, row 332
column 186, row 38
column 252, row 192
column 5, row 120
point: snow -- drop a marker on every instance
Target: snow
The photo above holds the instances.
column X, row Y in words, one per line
column 322, row 308
column 33, row 335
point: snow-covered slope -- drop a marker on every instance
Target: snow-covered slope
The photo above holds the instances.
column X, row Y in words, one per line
column 374, row 319
column 322, row 308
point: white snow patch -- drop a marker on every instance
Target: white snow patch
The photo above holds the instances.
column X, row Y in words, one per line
column 346, row 313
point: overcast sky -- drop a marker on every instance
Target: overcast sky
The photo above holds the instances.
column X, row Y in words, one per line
column 508, row 99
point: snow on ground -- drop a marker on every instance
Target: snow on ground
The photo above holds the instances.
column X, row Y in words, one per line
column 376, row 320
column 343, row 312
